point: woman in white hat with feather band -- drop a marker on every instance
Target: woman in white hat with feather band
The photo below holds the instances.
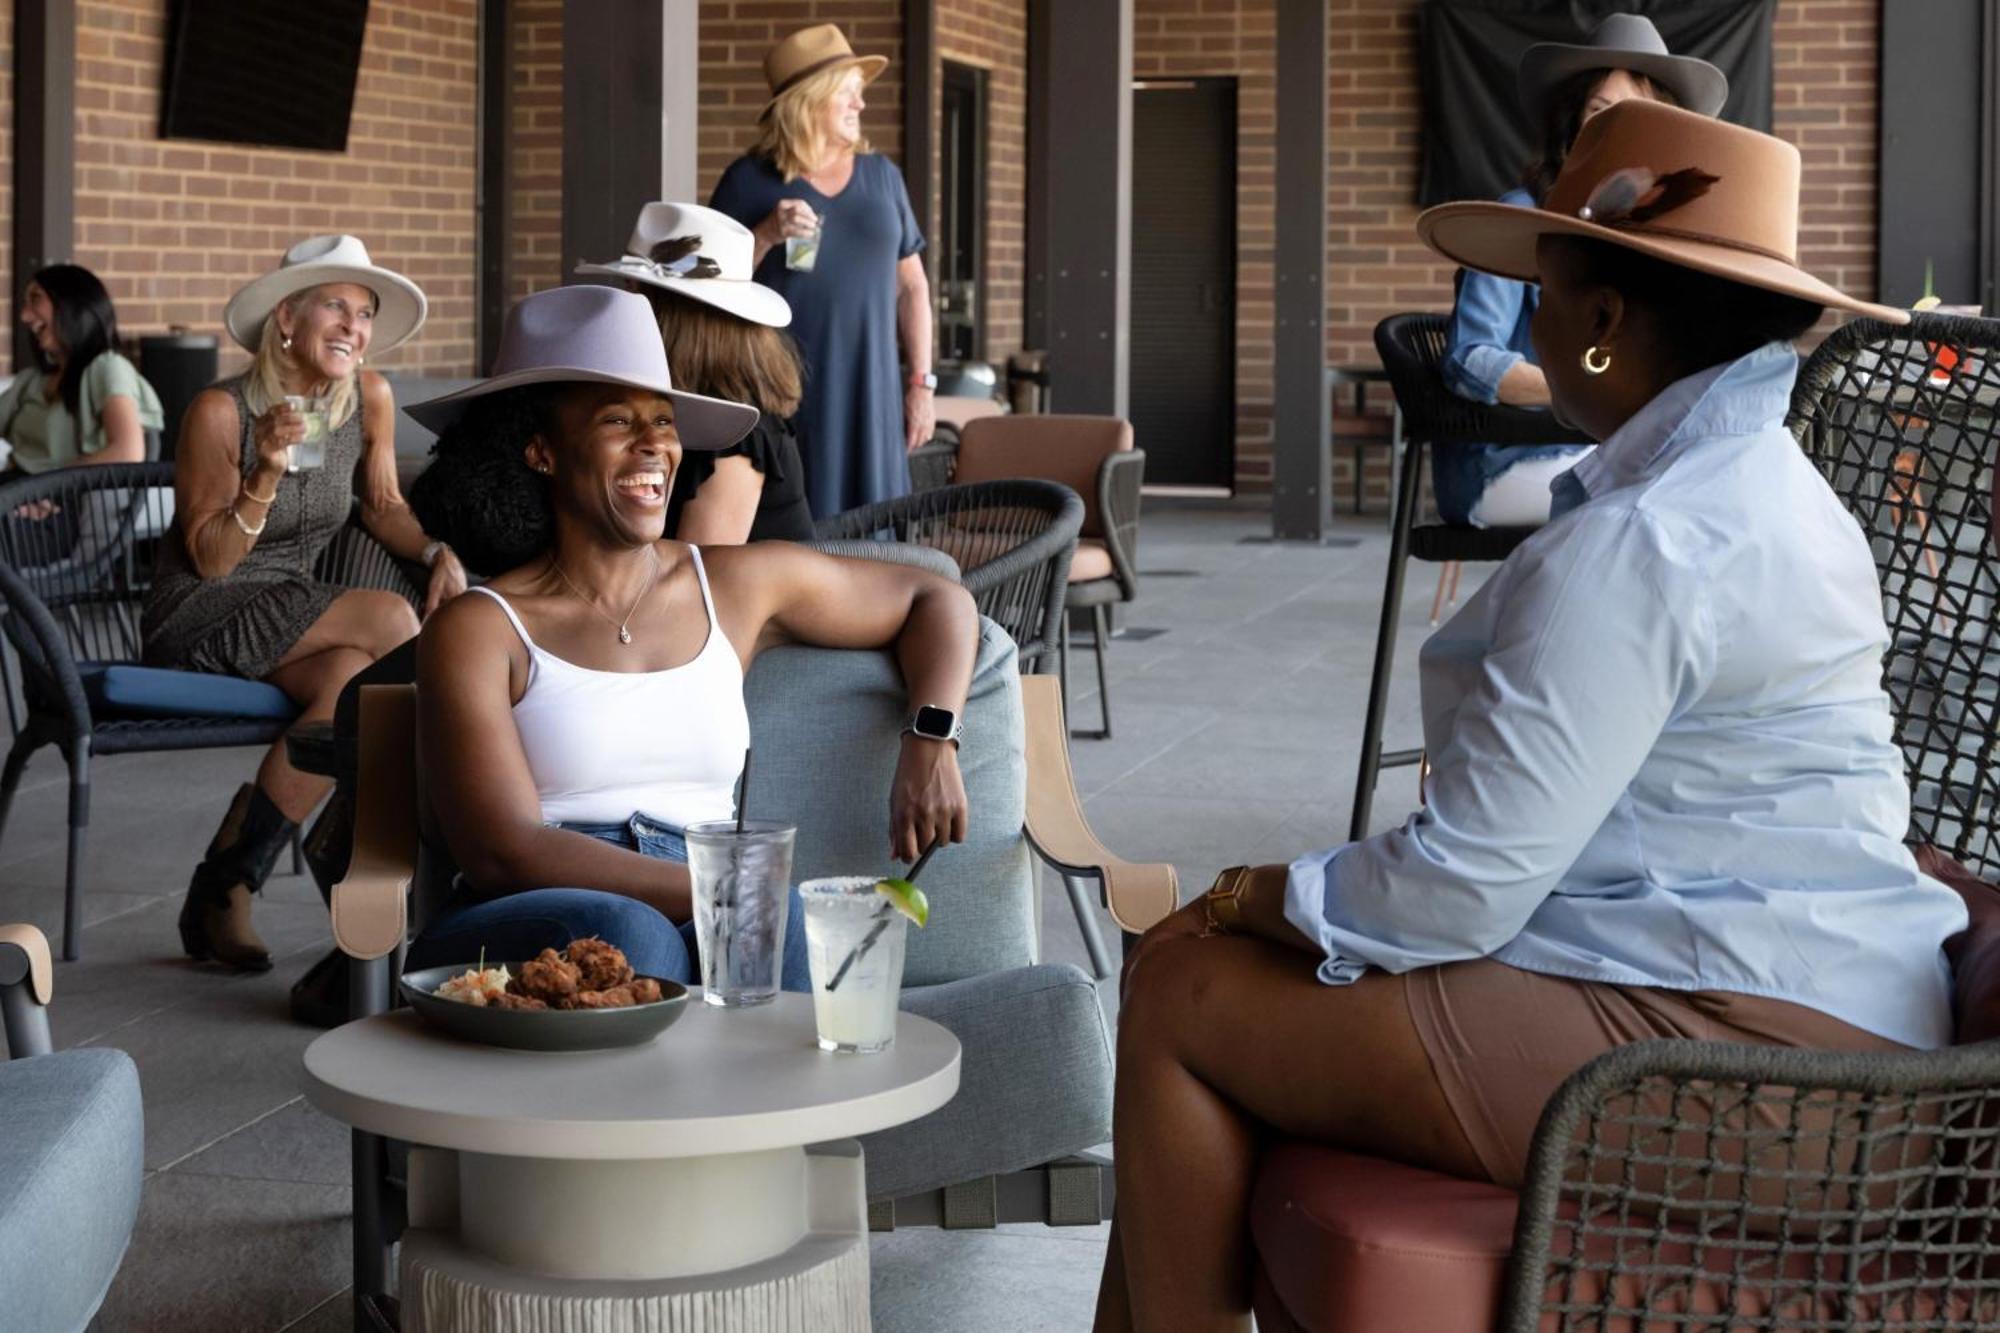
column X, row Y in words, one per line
column 238, row 590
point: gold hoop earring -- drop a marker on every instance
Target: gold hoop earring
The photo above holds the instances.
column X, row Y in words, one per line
column 1596, row 360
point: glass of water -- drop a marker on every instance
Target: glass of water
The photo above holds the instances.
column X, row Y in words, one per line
column 742, row 893
column 309, row 452
column 854, row 947
column 802, row 252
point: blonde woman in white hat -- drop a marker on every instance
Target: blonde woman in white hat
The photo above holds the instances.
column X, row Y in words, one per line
column 723, row 338
column 837, row 238
column 260, row 489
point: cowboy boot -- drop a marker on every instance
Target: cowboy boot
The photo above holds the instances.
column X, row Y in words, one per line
column 215, row 918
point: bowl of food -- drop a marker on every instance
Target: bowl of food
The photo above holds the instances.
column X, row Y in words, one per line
column 585, row 998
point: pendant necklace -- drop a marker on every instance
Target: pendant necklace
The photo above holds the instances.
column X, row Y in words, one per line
column 624, row 626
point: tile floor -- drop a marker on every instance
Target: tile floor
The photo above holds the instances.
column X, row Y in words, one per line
column 1236, row 735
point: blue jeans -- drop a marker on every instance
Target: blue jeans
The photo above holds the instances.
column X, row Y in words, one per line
column 521, row 925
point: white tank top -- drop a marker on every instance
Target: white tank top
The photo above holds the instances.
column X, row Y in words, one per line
column 605, row 745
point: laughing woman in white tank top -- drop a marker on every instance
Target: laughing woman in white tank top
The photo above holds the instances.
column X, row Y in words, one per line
column 589, row 706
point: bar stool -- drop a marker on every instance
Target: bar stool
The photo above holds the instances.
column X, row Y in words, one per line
column 1412, row 347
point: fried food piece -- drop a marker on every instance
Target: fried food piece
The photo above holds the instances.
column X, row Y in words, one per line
column 513, row 1001
column 614, row 997
column 645, row 990
column 601, row 965
column 549, row 977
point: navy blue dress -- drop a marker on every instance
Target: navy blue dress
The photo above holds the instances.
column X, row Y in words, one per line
column 850, row 424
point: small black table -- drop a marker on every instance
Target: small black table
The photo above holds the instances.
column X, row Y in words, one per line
column 1360, row 377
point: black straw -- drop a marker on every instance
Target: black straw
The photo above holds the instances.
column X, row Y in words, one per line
column 882, row 917
column 743, row 792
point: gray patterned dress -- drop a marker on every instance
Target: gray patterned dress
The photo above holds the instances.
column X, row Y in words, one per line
column 243, row 623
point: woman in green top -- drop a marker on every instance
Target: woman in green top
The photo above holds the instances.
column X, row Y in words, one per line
column 83, row 402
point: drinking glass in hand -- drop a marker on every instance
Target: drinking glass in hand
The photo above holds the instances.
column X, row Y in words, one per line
column 742, row 893
column 802, row 252
column 309, row 452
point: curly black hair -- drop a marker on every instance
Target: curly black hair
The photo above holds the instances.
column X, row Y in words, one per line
column 479, row 495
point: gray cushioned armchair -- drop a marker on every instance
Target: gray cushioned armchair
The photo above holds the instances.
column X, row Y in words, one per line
column 71, row 1155
column 1035, row 1082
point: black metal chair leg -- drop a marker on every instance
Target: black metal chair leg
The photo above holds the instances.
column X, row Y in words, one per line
column 1385, row 644
column 79, row 821
column 1062, row 660
column 18, row 755
column 1100, row 623
column 1079, row 889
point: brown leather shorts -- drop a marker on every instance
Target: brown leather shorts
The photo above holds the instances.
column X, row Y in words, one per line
column 1501, row 1040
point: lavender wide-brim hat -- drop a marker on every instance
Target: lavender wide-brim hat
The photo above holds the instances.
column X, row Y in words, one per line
column 593, row 335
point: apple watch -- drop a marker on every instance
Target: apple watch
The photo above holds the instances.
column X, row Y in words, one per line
column 932, row 723
column 926, row 380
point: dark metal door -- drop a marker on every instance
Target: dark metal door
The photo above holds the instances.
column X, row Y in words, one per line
column 1184, row 280
column 961, row 254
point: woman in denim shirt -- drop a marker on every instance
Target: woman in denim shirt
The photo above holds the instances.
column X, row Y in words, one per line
column 1490, row 359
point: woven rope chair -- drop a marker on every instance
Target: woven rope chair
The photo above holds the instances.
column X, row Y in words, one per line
column 1412, row 348
column 1902, row 423
column 1012, row 541
column 74, row 585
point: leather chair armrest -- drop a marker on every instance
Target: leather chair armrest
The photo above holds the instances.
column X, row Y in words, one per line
column 27, row 980
column 24, row 959
column 1137, row 894
column 371, row 904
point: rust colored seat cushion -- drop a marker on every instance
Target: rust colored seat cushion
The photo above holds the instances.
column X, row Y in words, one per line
column 1091, row 561
column 1066, row 449
column 1348, row 1242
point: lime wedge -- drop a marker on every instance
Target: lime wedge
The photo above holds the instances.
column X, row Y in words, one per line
column 1927, row 303
column 907, row 899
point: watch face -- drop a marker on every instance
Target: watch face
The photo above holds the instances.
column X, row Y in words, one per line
column 934, row 722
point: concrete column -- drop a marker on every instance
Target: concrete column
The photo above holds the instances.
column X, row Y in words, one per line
column 629, row 82
column 1080, row 199
column 1302, row 415
column 44, row 61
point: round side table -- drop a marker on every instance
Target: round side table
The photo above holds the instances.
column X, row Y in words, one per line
column 666, row 1186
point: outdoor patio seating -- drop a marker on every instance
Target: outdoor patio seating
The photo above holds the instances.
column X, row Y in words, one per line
column 74, row 595
column 71, row 1157
column 1035, row 1081
column 1094, row 457
column 1412, row 348
column 1012, row 541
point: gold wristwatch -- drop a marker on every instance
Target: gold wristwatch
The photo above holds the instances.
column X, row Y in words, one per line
column 1222, row 905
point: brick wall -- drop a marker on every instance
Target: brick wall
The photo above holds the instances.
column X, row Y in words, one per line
column 735, row 34
column 534, row 156
column 993, row 35
column 174, row 227
column 1191, row 38
column 1824, row 73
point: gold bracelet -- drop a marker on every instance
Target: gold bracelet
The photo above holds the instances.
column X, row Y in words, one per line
column 248, row 531
column 249, row 494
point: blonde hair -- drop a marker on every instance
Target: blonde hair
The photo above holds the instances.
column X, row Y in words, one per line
column 791, row 131
column 725, row 357
column 264, row 384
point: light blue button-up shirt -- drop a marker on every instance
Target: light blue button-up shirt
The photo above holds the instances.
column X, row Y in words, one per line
column 1661, row 753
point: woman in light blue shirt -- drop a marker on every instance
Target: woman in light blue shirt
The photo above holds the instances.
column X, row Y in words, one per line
column 1666, row 798
column 1490, row 358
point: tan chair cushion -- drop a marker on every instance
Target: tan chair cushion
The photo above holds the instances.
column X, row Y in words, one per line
column 1091, row 561
column 956, row 411
column 1066, row 449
